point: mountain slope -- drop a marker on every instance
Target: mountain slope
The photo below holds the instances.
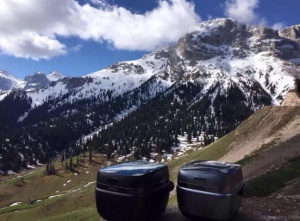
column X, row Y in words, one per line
column 55, row 76
column 73, row 192
column 7, row 81
column 32, row 82
column 197, row 90
column 267, row 139
column 269, row 125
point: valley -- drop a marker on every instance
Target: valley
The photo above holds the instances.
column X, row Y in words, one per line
column 274, row 160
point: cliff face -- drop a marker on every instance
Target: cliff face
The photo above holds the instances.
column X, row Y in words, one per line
column 291, row 99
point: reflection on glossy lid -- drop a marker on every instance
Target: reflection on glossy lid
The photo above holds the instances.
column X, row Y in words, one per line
column 212, row 166
column 134, row 168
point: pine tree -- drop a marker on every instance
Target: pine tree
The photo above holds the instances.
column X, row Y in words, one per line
column 52, row 168
column 90, row 155
column 297, row 85
column 62, row 159
column 189, row 134
column 48, row 168
column 71, row 164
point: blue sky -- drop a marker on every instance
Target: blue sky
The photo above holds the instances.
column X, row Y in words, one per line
column 80, row 37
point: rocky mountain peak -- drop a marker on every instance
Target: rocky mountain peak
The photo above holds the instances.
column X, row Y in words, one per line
column 54, row 76
column 292, row 32
column 226, row 37
column 3, row 73
column 36, row 75
column 264, row 33
column 7, row 81
column 35, row 81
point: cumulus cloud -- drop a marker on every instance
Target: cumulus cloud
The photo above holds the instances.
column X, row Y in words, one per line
column 242, row 10
column 31, row 45
column 31, row 28
column 279, row 25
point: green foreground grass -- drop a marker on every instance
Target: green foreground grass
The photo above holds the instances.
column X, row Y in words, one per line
column 273, row 181
column 70, row 187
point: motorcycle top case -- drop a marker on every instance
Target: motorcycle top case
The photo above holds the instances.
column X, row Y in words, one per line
column 210, row 190
column 134, row 190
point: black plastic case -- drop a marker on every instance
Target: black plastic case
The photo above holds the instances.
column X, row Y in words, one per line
column 210, row 190
column 137, row 190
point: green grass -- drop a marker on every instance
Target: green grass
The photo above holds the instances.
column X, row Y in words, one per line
column 59, row 208
column 273, row 181
column 40, row 186
column 172, row 199
column 82, row 215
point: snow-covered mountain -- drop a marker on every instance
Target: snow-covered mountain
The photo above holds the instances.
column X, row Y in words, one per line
column 222, row 51
column 35, row 81
column 217, row 76
column 227, row 52
column 30, row 83
column 7, row 81
column 55, row 76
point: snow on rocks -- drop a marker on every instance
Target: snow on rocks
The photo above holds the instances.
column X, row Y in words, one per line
column 10, row 172
column 89, row 183
column 50, row 197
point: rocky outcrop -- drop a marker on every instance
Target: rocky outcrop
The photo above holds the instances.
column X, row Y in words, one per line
column 36, row 81
column 126, row 68
column 72, row 83
column 7, row 81
column 221, row 37
column 291, row 99
column 292, row 32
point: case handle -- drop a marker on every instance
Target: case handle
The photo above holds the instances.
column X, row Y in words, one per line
column 242, row 190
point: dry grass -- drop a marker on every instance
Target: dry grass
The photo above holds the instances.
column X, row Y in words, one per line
column 39, row 186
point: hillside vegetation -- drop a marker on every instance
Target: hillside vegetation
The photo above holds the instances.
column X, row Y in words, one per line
column 266, row 144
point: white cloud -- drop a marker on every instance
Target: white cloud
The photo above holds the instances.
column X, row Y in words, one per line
column 30, row 28
column 76, row 48
column 279, row 25
column 242, row 10
column 31, row 45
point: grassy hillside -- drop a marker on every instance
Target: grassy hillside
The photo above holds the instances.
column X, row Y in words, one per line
column 57, row 196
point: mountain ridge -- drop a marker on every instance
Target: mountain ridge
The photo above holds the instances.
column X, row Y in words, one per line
column 36, row 81
column 208, row 82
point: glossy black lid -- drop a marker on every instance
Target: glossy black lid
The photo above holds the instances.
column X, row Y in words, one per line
column 212, row 166
column 133, row 168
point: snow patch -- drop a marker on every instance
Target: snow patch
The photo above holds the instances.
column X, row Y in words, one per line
column 50, row 197
column 16, row 204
